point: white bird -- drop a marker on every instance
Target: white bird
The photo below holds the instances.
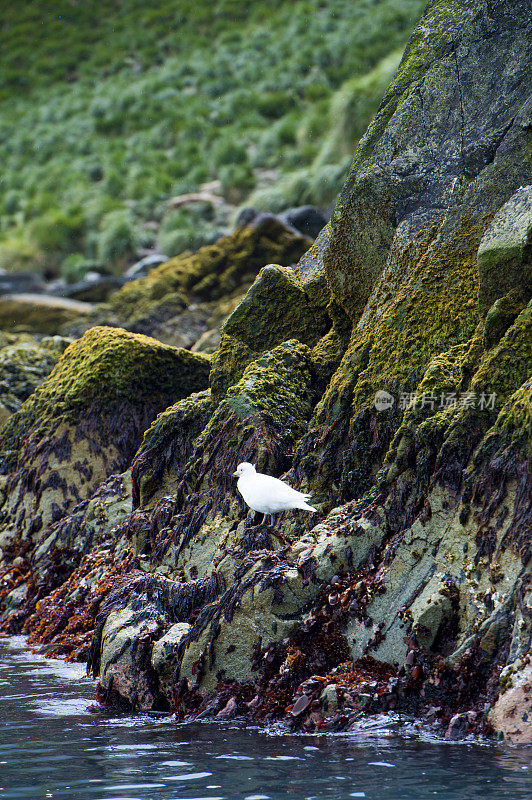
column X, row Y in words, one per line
column 266, row 494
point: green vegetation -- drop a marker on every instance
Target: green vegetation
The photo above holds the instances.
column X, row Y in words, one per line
column 109, row 109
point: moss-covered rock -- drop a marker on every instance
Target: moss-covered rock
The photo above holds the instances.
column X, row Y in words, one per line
column 401, row 259
column 85, row 422
column 64, row 544
column 182, row 298
column 161, row 460
column 418, row 581
column 440, row 159
column 279, row 305
column 24, row 364
column 138, row 629
column 259, row 420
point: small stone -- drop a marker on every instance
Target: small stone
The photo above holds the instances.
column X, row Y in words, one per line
column 229, row 710
column 301, row 704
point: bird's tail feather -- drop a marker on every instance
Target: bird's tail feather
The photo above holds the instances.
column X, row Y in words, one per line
column 306, row 507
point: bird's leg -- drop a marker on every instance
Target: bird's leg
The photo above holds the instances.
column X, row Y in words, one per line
column 264, row 519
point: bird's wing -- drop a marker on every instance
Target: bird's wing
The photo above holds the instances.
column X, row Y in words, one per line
column 281, row 490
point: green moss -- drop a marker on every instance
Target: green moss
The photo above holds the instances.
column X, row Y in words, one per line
column 432, row 310
column 502, row 314
column 103, row 369
column 263, row 415
column 229, row 363
column 212, row 272
column 488, row 386
column 427, row 41
column 507, row 365
column 261, row 321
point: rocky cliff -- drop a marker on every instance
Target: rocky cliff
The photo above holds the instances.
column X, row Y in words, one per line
column 388, row 373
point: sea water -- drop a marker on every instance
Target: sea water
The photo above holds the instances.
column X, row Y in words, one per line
column 56, row 743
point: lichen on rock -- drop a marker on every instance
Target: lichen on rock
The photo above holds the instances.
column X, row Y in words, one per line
column 505, row 251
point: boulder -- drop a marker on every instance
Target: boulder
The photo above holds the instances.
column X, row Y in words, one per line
column 308, row 220
column 93, row 289
column 127, row 641
column 85, row 422
column 161, row 460
column 139, row 630
column 20, row 283
column 260, row 322
column 24, row 364
column 39, row 313
column 164, row 655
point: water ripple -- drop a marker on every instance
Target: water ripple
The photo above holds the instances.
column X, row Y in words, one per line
column 48, row 740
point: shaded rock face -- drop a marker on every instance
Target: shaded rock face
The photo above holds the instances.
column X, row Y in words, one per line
column 162, row 458
column 412, row 591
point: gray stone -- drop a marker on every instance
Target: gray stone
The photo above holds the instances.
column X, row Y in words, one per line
column 20, row 282
column 505, row 252
column 125, row 654
column 95, row 290
column 329, row 698
column 308, row 220
column 145, row 266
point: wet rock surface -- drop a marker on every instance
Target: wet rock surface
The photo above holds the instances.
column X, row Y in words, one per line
column 410, row 590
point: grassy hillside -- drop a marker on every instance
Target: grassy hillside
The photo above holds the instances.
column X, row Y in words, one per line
column 109, row 109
